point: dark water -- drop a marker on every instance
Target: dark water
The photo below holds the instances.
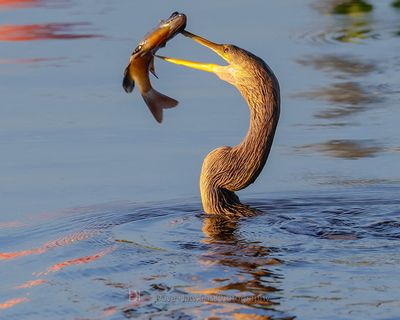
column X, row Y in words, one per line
column 327, row 243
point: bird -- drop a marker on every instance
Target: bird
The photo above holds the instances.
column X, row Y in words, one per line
column 226, row 169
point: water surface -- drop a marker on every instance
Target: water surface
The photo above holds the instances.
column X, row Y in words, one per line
column 327, row 242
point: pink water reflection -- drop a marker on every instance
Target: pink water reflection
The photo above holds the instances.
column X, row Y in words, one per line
column 46, row 31
column 11, row 303
column 19, row 3
column 22, row 4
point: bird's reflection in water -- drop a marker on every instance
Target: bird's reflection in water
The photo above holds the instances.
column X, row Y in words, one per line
column 250, row 284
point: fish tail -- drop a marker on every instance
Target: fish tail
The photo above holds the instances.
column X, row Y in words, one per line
column 128, row 83
column 156, row 102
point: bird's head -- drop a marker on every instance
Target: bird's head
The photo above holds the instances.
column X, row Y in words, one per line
column 241, row 63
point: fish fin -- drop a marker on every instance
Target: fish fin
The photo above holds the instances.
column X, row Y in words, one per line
column 151, row 68
column 128, row 83
column 156, row 102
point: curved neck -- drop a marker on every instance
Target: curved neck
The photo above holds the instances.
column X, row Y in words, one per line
column 226, row 170
column 264, row 104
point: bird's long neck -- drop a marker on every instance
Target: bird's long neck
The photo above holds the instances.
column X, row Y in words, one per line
column 226, row 170
column 253, row 151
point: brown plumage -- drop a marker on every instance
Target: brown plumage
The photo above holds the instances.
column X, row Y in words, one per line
column 229, row 169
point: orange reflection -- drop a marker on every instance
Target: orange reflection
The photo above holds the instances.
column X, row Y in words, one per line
column 250, row 281
column 81, row 260
column 19, row 3
column 47, row 31
column 108, row 312
column 12, row 302
column 22, row 253
column 30, row 284
column 61, row 242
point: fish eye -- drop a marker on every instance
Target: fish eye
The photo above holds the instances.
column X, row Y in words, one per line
column 138, row 48
column 226, row 49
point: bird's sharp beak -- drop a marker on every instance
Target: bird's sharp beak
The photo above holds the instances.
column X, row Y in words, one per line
column 209, row 67
column 217, row 48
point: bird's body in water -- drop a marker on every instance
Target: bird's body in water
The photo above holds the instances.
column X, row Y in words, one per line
column 229, row 169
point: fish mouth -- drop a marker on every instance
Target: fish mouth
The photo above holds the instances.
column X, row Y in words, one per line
column 219, row 49
column 159, row 37
column 176, row 23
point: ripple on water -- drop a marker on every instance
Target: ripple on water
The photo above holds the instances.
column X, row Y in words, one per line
column 182, row 263
column 345, row 31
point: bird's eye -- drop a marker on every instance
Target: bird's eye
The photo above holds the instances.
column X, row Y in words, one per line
column 226, row 49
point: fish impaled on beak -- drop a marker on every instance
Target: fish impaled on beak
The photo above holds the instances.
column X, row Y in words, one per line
column 225, row 51
column 209, row 67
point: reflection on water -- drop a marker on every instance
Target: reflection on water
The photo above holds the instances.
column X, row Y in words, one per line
column 353, row 29
column 48, row 31
column 344, row 7
column 348, row 149
column 356, row 31
column 254, row 284
column 81, row 260
column 171, row 262
column 63, row 241
column 20, row 4
column 11, row 303
column 351, row 22
column 349, row 93
column 348, row 98
column 334, row 180
column 341, row 65
column 351, row 7
column 31, row 60
column 30, row 284
column 396, row 4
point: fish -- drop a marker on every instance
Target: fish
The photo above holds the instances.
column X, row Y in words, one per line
column 141, row 63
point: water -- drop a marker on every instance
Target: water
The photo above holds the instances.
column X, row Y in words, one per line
column 135, row 242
